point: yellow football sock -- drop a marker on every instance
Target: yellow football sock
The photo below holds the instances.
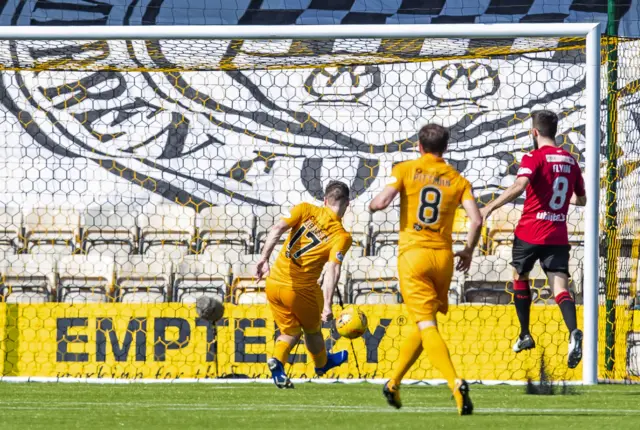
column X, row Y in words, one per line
column 281, row 351
column 438, row 354
column 320, row 359
column 409, row 352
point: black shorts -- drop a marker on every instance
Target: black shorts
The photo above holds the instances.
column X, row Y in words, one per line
column 553, row 258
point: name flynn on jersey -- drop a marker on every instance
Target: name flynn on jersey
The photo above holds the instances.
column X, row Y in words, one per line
column 561, row 164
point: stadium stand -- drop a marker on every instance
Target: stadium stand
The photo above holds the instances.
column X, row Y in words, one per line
column 10, row 230
column 226, row 230
column 85, row 278
column 170, row 253
column 372, row 280
column 52, row 230
column 29, row 278
column 245, row 288
column 109, row 230
column 166, row 230
column 357, row 221
column 264, row 221
column 142, row 279
column 385, row 226
column 487, row 281
column 198, row 276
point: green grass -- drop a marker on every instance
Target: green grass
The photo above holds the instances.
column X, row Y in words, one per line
column 309, row 406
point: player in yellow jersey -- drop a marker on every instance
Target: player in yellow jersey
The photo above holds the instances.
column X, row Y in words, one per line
column 297, row 302
column 430, row 192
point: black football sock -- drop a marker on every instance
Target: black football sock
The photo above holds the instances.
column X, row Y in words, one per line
column 568, row 309
column 522, row 300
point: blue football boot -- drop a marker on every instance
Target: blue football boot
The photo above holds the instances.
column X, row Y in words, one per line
column 333, row 360
column 277, row 373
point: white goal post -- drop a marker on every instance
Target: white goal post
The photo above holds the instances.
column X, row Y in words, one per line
column 467, row 31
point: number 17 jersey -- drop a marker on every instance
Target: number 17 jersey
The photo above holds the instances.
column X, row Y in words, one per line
column 430, row 192
column 554, row 176
column 316, row 236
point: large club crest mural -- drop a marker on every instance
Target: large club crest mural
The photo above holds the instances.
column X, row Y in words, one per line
column 260, row 137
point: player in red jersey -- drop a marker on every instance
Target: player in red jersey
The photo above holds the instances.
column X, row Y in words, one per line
column 553, row 180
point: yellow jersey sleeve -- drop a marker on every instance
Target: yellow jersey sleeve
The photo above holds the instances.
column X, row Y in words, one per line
column 396, row 180
column 297, row 213
column 467, row 193
column 340, row 248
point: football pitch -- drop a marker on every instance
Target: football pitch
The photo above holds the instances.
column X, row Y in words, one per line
column 309, row 406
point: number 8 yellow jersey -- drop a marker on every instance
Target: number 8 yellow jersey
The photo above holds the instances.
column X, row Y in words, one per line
column 430, row 192
column 316, row 236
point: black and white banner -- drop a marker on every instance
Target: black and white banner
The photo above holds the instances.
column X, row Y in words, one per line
column 268, row 136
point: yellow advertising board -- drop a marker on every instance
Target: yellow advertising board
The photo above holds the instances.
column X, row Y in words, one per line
column 168, row 341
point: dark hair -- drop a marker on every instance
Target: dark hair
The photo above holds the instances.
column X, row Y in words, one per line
column 546, row 122
column 434, row 138
column 337, row 192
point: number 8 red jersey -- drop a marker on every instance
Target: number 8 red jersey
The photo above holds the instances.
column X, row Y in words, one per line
column 554, row 176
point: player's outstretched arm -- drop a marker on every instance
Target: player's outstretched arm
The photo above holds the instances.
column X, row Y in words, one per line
column 262, row 268
column 329, row 283
column 511, row 193
column 384, row 199
column 578, row 200
column 473, row 236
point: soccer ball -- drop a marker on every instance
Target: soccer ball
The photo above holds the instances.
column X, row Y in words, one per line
column 352, row 323
column 209, row 309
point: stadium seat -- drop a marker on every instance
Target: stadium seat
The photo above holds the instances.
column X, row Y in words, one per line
column 487, row 281
column 245, row 288
column 10, row 231
column 487, row 296
column 226, row 230
column 198, row 276
column 28, row 278
column 109, row 231
column 370, row 280
column 267, row 218
column 385, row 227
column 52, row 230
column 142, row 279
column 166, row 230
column 356, row 221
column 501, row 225
column 460, row 231
column 85, row 278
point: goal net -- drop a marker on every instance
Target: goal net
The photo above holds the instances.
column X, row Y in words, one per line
column 138, row 175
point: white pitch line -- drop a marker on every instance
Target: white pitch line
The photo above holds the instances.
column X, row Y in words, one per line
column 302, row 408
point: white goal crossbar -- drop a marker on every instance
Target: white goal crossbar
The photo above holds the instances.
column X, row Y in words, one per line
column 590, row 31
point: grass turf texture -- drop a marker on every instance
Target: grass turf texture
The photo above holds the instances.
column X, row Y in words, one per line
column 309, row 406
